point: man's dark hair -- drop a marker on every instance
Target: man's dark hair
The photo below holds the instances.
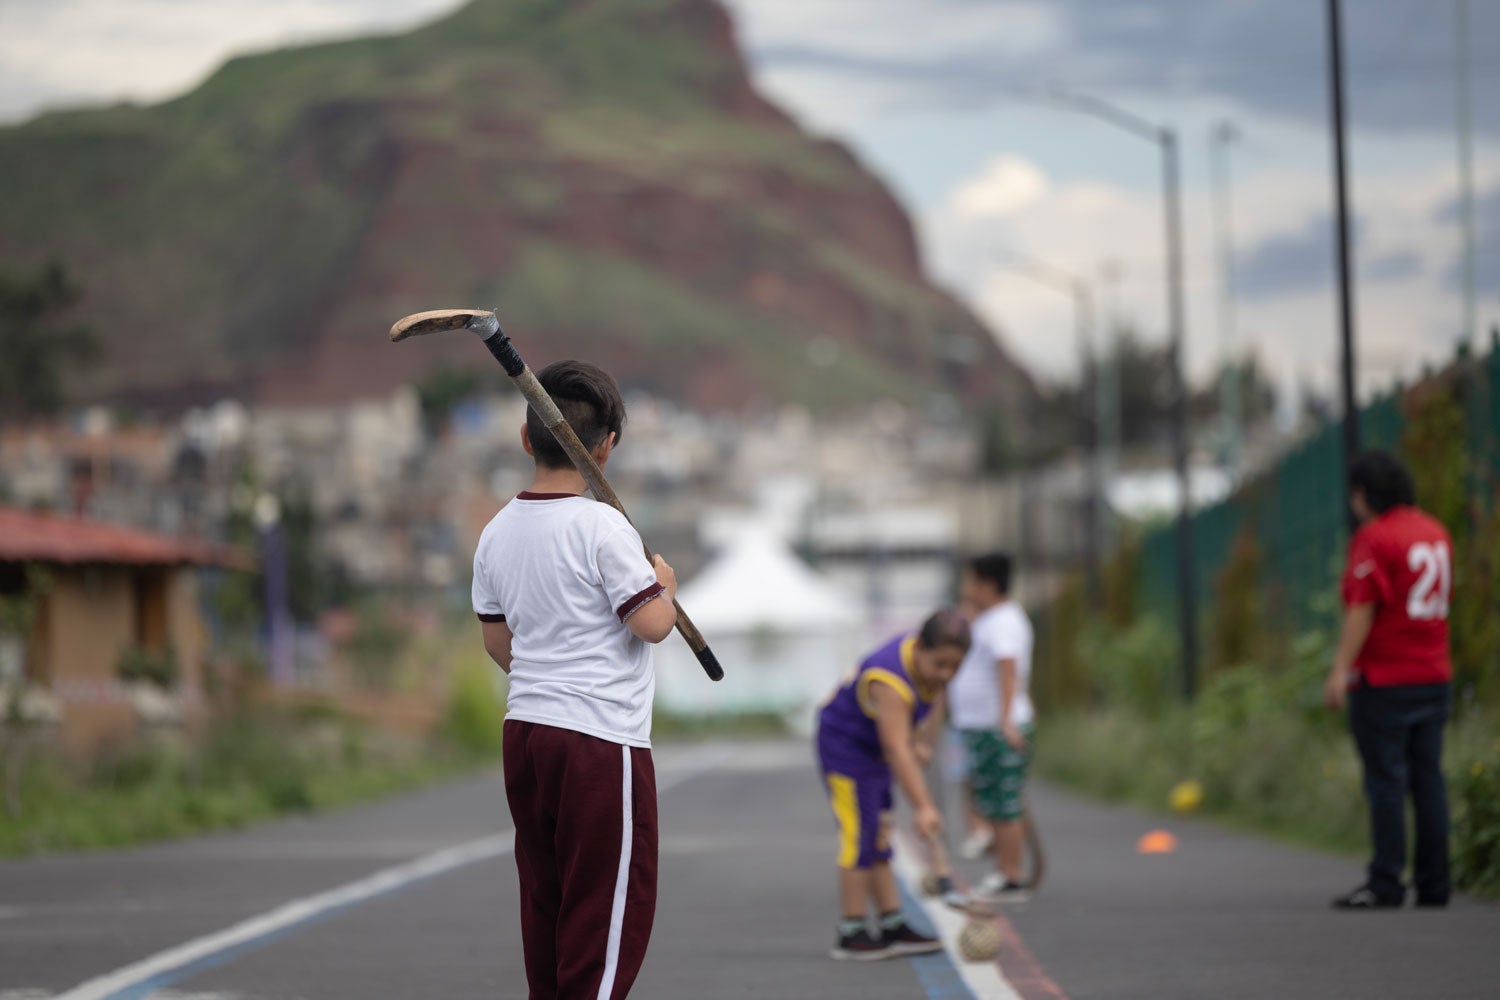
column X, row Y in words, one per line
column 1384, row 481
column 944, row 628
column 994, row 567
column 590, row 402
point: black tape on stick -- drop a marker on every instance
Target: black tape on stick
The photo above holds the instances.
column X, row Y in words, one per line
column 505, row 353
column 710, row 664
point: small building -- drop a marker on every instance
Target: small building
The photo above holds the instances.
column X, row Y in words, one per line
column 97, row 592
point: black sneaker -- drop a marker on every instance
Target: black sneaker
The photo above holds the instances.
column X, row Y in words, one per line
column 861, row 947
column 905, row 941
column 1365, row 898
column 1431, row 902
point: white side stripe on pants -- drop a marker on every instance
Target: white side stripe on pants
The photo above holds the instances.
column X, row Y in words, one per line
column 622, row 883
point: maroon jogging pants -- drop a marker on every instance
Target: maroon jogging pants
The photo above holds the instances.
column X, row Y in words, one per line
column 585, row 816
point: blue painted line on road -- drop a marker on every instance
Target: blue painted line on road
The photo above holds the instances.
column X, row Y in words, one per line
column 936, row 973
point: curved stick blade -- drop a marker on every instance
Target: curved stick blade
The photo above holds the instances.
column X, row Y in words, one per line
column 438, row 320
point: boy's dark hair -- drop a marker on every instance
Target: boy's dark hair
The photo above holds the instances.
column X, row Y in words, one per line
column 1382, row 478
column 994, row 567
column 590, row 402
column 944, row 628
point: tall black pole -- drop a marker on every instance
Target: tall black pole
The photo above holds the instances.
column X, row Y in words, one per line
column 1341, row 226
column 1187, row 593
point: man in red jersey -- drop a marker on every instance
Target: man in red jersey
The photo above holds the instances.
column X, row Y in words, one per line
column 1393, row 670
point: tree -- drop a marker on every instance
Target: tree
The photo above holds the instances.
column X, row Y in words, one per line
column 1144, row 383
column 39, row 348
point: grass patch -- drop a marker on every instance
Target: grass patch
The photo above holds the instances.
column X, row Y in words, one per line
column 670, row 726
column 250, row 767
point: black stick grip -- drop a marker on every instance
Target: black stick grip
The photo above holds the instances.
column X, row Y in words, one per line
column 710, row 664
column 505, row 353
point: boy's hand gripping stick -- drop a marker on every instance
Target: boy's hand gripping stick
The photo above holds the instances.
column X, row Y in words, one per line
column 484, row 323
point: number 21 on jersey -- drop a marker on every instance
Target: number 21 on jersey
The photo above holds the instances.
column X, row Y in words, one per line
column 1428, row 599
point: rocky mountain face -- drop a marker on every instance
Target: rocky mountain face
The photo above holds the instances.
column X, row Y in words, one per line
column 604, row 174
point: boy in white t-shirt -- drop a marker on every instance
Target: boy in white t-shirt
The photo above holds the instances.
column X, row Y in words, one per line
column 990, row 705
column 568, row 605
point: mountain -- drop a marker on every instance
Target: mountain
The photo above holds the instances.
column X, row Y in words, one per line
column 602, row 172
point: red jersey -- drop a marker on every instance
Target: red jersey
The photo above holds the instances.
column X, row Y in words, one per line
column 1402, row 562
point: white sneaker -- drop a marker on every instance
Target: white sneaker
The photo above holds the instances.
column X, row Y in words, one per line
column 996, row 888
column 977, row 844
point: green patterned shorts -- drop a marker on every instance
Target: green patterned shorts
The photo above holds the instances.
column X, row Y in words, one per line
column 997, row 772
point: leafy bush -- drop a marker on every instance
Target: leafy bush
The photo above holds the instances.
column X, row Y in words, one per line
column 1132, row 669
column 1238, row 627
column 475, row 711
column 1476, row 828
column 140, row 665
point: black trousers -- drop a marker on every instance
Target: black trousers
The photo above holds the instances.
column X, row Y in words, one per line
column 1399, row 732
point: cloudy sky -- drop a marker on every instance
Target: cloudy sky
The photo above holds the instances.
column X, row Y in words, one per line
column 939, row 97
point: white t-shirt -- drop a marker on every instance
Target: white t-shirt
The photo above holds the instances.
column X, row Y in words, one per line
column 1002, row 632
column 564, row 573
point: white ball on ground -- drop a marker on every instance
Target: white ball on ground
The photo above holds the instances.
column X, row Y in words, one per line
column 979, row 941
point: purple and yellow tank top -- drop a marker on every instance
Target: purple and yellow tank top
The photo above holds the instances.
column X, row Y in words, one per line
column 846, row 725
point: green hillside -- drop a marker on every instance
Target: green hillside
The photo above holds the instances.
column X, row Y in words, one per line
column 604, row 172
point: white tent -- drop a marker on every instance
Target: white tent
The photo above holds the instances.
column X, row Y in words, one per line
column 783, row 634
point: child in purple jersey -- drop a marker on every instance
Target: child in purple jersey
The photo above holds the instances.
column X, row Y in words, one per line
column 866, row 734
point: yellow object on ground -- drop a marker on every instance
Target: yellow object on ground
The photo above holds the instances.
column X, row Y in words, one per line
column 1186, row 796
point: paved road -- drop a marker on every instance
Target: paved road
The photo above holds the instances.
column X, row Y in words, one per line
column 746, row 900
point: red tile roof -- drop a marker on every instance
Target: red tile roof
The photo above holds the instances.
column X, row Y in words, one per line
column 27, row 536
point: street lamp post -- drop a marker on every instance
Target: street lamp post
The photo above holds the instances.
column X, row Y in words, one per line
column 1462, row 85
column 1090, row 387
column 1165, row 138
column 1341, row 233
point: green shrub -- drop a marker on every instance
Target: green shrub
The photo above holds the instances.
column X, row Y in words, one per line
column 1236, row 636
column 475, row 711
column 1476, row 828
column 158, row 667
column 1133, row 669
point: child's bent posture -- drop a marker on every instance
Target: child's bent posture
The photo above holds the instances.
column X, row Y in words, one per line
column 865, row 735
column 569, row 604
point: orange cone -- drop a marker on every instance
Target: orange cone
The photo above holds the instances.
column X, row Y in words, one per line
column 1156, row 842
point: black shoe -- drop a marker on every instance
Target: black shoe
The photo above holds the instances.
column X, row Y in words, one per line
column 905, row 941
column 1431, row 902
column 861, row 947
column 1365, row 898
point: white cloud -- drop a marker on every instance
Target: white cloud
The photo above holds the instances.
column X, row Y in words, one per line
column 1007, row 186
column 1012, row 209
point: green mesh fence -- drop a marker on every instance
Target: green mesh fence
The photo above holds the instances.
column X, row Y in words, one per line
column 1296, row 507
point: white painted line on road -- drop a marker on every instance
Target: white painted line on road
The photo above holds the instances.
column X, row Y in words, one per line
column 162, row 969
column 986, row 979
column 298, row 911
